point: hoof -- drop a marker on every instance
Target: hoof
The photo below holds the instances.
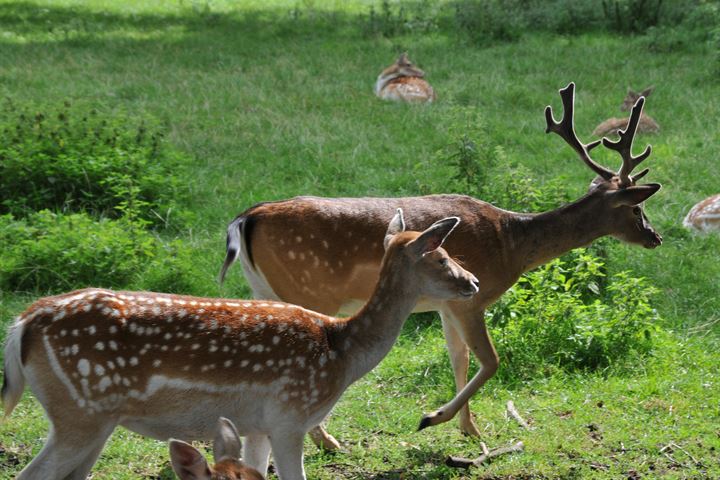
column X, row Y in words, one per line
column 428, row 420
column 324, row 440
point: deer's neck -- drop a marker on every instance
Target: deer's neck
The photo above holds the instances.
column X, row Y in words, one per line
column 364, row 339
column 538, row 238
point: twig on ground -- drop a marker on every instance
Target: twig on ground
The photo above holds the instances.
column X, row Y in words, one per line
column 512, row 411
column 484, row 448
column 460, row 462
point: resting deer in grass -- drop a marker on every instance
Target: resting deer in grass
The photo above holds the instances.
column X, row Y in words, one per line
column 645, row 125
column 334, row 270
column 405, row 82
column 189, row 464
column 169, row 365
column 705, row 215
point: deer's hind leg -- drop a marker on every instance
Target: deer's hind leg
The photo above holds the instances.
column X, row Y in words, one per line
column 69, row 452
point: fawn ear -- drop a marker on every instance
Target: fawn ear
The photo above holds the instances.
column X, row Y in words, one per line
column 187, row 462
column 633, row 195
column 397, row 225
column 645, row 93
column 434, row 236
column 227, row 442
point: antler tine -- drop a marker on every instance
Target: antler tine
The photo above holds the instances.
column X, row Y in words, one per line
column 637, row 177
column 624, row 146
column 566, row 129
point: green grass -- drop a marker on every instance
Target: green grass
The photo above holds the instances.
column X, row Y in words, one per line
column 274, row 99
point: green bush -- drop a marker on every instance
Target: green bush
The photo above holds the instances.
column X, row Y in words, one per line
column 562, row 316
column 75, row 160
column 490, row 20
column 483, row 170
column 51, row 252
column 174, row 268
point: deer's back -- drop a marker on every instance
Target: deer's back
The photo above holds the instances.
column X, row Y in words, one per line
column 325, row 253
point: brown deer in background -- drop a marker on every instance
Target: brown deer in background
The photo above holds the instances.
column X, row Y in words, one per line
column 189, row 464
column 403, row 81
column 334, row 269
column 170, row 365
column 705, row 215
column 612, row 125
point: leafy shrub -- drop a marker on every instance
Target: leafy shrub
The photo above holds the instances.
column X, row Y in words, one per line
column 51, row 252
column 70, row 160
column 561, row 317
column 56, row 252
column 700, row 28
column 483, row 170
column 490, row 20
column 389, row 20
column 174, row 269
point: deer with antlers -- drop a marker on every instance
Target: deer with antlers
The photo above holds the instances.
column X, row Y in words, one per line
column 646, row 124
column 169, row 365
column 337, row 273
column 189, row 464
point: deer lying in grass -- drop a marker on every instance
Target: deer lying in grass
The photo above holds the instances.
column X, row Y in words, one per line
column 189, row 464
column 404, row 81
column 281, row 262
column 705, row 215
column 645, row 125
column 169, row 365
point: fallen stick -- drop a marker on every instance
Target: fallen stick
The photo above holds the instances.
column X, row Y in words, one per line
column 460, row 462
column 512, row 411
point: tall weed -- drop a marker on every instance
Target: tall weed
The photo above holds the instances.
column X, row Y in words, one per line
column 69, row 159
column 564, row 316
column 48, row 252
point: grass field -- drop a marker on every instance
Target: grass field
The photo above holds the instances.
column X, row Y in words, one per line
column 268, row 100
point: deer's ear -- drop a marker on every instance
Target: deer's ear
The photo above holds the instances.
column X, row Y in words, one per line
column 397, row 225
column 645, row 93
column 187, row 462
column 434, row 236
column 633, row 195
column 227, row 442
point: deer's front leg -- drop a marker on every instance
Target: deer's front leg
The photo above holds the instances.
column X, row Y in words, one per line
column 473, row 330
column 459, row 359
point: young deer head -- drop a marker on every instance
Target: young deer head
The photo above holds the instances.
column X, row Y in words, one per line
column 632, row 97
column 169, row 365
column 617, row 194
column 646, row 124
column 404, row 81
column 189, row 464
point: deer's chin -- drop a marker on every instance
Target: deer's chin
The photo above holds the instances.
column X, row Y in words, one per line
column 653, row 242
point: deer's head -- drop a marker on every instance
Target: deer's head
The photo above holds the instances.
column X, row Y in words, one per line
column 403, row 67
column 618, row 196
column 433, row 272
column 632, row 97
column 189, row 464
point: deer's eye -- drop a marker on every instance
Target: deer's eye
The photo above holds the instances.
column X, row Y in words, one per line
column 637, row 211
column 443, row 261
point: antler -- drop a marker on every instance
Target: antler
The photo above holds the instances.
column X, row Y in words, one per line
column 566, row 129
column 624, row 147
